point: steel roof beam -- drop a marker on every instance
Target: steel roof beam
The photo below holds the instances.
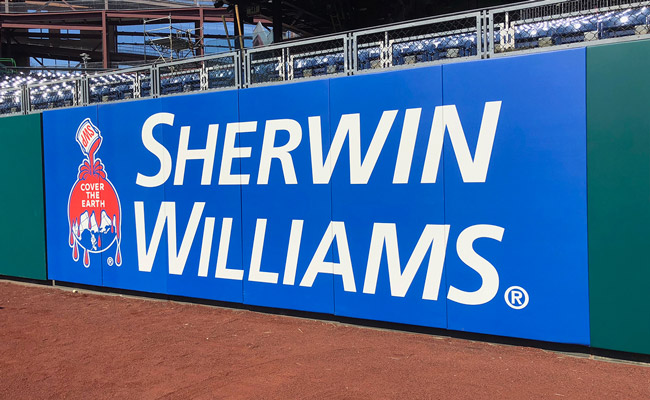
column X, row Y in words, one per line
column 52, row 26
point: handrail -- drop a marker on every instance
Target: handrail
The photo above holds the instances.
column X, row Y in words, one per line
column 11, row 60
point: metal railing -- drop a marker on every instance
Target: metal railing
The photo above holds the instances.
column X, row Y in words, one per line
column 327, row 56
column 440, row 39
column 133, row 83
column 526, row 27
column 12, row 101
column 54, row 94
column 199, row 74
column 547, row 25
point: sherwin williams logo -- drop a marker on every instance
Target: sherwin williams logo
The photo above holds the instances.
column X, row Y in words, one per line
column 94, row 213
column 383, row 236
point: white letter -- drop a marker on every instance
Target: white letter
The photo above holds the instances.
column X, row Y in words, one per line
column 349, row 124
column 472, row 170
column 269, row 152
column 490, row 276
column 157, row 149
column 322, row 171
column 336, row 230
column 230, row 152
column 255, row 274
column 434, row 149
column 207, row 155
column 177, row 261
column 224, row 245
column 360, row 171
column 147, row 257
column 407, row 145
column 292, row 252
column 433, row 236
column 206, row 246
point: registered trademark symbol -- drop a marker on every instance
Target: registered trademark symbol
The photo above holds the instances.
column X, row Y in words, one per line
column 516, row 297
column 109, row 261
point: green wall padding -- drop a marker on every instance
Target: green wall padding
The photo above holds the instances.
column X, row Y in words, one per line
column 618, row 171
column 22, row 230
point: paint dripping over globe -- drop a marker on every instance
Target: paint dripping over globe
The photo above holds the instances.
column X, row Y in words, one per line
column 94, row 212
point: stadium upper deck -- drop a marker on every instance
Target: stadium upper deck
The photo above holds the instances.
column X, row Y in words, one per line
column 121, row 33
column 525, row 27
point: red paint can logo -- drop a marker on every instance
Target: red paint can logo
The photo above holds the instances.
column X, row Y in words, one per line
column 94, row 211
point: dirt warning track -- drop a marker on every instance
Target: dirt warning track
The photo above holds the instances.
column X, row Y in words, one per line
column 59, row 344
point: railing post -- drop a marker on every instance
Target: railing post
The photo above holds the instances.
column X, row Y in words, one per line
column 288, row 61
column 244, row 59
column 383, row 51
column 25, row 105
column 490, row 33
column 485, row 34
column 347, row 54
column 480, row 50
column 355, row 53
column 85, row 90
column 284, row 64
column 203, row 77
column 76, row 94
column 154, row 76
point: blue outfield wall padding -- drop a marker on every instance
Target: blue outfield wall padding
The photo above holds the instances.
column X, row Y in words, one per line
column 62, row 160
column 205, row 211
column 124, row 155
column 448, row 196
column 285, row 214
column 535, row 190
column 392, row 221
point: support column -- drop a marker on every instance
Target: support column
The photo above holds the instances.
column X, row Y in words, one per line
column 277, row 21
column 105, row 60
column 200, row 24
column 239, row 27
column 111, row 36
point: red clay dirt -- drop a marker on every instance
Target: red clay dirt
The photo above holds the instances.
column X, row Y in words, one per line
column 59, row 344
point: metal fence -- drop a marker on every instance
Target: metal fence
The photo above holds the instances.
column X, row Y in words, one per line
column 325, row 56
column 134, row 83
column 53, row 94
column 526, row 27
column 11, row 101
column 553, row 24
column 199, row 74
column 440, row 39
